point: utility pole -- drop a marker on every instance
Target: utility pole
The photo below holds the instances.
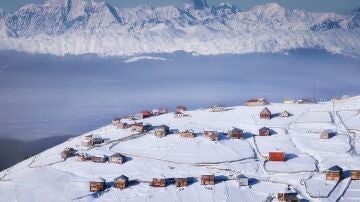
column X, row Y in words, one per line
column 333, row 109
column 314, row 92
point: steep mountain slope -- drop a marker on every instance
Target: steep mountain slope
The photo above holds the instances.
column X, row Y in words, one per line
column 82, row 26
column 307, row 156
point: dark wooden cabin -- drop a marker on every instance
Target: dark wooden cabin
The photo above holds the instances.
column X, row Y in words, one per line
column 67, row 152
column 211, row 135
column 181, row 109
column 327, row 134
column 141, row 127
column 355, row 174
column 99, row 158
column 158, row 182
column 97, row 185
column 264, row 131
column 181, row 182
column 236, row 133
column 121, row 182
column 256, row 102
column 334, row 173
column 288, row 196
column 187, row 133
column 207, row 180
column 117, row 158
column 265, row 113
column 161, row 131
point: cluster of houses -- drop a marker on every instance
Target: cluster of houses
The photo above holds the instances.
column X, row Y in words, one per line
column 99, row 158
column 333, row 173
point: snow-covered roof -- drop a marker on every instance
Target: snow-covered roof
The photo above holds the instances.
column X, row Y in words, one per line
column 335, row 168
column 186, row 130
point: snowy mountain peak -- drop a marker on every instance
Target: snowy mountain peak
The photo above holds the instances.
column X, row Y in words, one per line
column 143, row 29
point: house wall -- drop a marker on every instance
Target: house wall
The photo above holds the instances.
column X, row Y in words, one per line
column 333, row 176
column 355, row 174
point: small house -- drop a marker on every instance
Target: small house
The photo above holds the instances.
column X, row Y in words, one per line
column 327, row 134
column 236, row 133
column 91, row 140
column 157, row 112
column 256, row 102
column 121, row 182
column 142, row 115
column 157, row 182
column 100, row 158
column 97, row 185
column 83, row 157
column 334, row 173
column 277, row 156
column 67, row 152
column 141, row 127
column 116, row 121
column 264, row 131
column 211, row 135
column 96, row 139
column 207, row 179
column 87, row 143
column 265, row 113
column 117, row 158
column 304, row 101
column 242, row 180
column 355, row 174
column 187, row 133
column 181, row 109
column 288, row 195
column 161, row 131
column 289, row 101
column 285, row 114
column 217, row 108
column 181, row 182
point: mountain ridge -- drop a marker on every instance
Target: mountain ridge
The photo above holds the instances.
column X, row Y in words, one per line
column 103, row 29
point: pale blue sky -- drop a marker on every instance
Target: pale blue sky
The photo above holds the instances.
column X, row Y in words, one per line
column 339, row 6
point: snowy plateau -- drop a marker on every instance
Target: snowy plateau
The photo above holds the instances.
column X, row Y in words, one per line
column 76, row 27
column 47, row 177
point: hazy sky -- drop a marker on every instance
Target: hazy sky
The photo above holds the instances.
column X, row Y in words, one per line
column 339, row 6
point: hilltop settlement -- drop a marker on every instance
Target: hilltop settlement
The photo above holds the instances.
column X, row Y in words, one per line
column 293, row 151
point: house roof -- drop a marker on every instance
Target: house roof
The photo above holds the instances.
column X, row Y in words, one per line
column 266, row 110
column 180, row 107
column 335, row 168
column 117, row 155
column 210, row 130
column 241, row 176
column 122, row 177
column 186, row 130
column 98, row 179
column 328, row 131
column 256, row 100
column 236, row 129
column 145, row 112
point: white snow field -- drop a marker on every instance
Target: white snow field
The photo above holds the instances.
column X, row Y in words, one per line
column 46, row 177
column 78, row 27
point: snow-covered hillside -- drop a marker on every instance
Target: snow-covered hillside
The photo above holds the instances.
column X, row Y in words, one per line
column 80, row 26
column 46, row 177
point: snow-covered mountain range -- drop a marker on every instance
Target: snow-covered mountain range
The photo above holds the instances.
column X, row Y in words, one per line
column 82, row 26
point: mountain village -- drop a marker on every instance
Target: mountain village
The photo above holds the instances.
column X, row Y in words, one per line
column 252, row 149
